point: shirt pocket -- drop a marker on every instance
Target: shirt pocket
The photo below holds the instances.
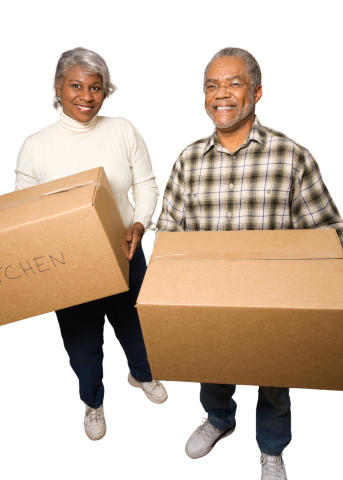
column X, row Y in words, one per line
column 264, row 208
column 205, row 209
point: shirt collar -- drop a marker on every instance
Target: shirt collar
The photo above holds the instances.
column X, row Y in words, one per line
column 257, row 134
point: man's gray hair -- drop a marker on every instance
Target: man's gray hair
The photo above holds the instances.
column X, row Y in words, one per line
column 89, row 61
column 253, row 68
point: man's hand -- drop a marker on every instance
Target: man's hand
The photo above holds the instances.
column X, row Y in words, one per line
column 134, row 237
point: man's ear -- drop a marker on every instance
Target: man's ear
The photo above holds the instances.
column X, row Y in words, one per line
column 258, row 92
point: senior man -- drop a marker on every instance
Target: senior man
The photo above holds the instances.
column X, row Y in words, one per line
column 245, row 177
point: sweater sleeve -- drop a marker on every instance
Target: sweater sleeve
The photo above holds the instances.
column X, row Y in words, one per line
column 24, row 171
column 144, row 187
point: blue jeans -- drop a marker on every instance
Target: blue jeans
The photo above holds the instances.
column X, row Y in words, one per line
column 273, row 414
column 82, row 329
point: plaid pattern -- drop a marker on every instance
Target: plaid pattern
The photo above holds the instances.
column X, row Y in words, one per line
column 269, row 183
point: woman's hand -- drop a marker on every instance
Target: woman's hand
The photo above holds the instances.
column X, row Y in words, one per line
column 134, row 235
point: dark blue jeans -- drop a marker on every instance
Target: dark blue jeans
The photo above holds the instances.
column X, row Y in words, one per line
column 273, row 414
column 82, row 330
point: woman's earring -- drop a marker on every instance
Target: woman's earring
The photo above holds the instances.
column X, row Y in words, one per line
column 59, row 99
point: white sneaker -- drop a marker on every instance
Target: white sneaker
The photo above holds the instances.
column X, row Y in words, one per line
column 95, row 425
column 201, row 442
column 154, row 390
column 273, row 467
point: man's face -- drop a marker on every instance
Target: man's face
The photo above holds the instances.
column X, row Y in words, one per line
column 228, row 108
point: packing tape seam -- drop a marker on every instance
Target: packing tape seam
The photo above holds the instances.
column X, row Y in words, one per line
column 52, row 192
column 241, row 259
column 240, row 306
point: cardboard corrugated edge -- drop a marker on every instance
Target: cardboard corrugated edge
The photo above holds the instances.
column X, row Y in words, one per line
column 111, row 221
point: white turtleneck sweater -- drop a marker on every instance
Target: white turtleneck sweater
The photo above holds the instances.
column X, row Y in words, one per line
column 69, row 147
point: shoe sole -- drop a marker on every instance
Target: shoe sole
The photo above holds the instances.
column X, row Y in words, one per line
column 95, row 439
column 135, row 383
column 229, row 432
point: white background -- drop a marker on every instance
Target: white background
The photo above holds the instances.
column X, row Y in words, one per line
column 156, row 52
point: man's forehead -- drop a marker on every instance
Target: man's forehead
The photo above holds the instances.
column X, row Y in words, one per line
column 227, row 67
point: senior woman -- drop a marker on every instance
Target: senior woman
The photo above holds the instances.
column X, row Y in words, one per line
column 79, row 141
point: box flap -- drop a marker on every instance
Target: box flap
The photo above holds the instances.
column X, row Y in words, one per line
column 48, row 199
column 310, row 284
column 252, row 244
column 44, row 188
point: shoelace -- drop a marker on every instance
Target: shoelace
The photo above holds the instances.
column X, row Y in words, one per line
column 273, row 470
column 94, row 415
column 155, row 384
column 205, row 430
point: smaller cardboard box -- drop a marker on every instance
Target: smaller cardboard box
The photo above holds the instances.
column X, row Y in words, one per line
column 248, row 307
column 60, row 245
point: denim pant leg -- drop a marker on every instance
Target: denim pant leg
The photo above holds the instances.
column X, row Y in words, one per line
column 123, row 316
column 273, row 420
column 82, row 332
column 218, row 403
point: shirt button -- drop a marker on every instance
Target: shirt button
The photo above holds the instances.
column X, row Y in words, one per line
column 234, row 157
column 229, row 215
column 231, row 185
column 194, row 194
column 269, row 191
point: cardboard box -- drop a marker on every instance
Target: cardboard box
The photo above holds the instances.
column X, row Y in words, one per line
column 248, row 307
column 60, row 245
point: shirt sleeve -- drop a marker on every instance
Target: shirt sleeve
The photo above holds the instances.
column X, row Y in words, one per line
column 144, row 188
column 311, row 204
column 172, row 218
column 24, row 171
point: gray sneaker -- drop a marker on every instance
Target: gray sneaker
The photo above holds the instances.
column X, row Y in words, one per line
column 95, row 425
column 273, row 468
column 204, row 438
column 154, row 390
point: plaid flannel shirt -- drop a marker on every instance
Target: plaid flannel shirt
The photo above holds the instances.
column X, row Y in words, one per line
column 269, row 183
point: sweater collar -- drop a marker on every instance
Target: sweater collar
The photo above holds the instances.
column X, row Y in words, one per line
column 71, row 126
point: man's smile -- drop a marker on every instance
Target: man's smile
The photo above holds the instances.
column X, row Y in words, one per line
column 224, row 107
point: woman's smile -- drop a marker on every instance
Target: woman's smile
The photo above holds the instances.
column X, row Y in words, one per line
column 84, row 108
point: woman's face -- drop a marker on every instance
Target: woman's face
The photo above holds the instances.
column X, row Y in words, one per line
column 82, row 94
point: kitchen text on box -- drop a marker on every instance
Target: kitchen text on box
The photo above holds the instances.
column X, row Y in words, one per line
column 28, row 268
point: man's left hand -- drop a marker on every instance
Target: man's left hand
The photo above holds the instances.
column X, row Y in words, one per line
column 134, row 235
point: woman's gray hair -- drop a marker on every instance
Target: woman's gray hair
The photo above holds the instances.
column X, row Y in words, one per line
column 89, row 61
column 253, row 68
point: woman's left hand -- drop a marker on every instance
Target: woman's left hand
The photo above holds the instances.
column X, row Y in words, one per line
column 134, row 235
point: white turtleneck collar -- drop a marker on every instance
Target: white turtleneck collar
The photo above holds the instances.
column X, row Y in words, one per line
column 71, row 126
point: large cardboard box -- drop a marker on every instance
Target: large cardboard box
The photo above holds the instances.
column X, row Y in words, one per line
column 60, row 245
column 249, row 307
